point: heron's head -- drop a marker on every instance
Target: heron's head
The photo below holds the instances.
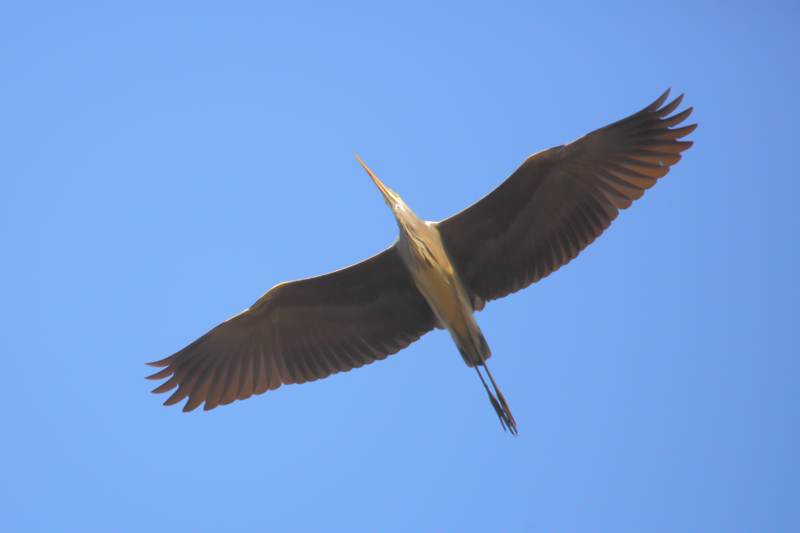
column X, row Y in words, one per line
column 393, row 200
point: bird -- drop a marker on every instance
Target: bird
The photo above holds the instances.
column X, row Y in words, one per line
column 437, row 274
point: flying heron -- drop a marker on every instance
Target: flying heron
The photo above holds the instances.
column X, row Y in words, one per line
column 437, row 274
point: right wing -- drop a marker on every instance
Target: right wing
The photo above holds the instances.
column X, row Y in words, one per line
column 301, row 331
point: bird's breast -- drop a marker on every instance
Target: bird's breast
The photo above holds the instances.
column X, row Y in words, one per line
column 433, row 274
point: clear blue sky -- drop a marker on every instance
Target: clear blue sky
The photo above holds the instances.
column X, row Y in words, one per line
column 163, row 165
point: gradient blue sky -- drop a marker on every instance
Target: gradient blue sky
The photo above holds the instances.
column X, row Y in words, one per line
column 164, row 164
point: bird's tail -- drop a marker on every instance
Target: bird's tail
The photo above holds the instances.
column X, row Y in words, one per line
column 497, row 400
column 472, row 345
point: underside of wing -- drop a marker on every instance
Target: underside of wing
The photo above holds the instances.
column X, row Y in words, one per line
column 301, row 331
column 560, row 200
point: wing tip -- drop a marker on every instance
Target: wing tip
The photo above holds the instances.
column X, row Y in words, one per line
column 677, row 118
column 188, row 407
column 161, row 374
column 670, row 107
column 658, row 101
column 160, row 362
column 177, row 396
column 686, row 130
column 166, row 386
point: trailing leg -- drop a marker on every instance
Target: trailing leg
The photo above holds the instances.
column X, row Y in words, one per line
column 498, row 402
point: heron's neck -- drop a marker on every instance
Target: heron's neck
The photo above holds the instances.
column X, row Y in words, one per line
column 409, row 222
column 422, row 245
column 415, row 231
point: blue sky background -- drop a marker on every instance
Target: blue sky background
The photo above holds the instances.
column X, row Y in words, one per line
column 163, row 165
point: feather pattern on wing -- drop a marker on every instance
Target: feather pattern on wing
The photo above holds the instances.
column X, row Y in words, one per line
column 301, row 331
column 560, row 200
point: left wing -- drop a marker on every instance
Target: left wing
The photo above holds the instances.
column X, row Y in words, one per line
column 560, row 200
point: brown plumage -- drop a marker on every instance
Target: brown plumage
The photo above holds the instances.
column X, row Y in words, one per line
column 537, row 220
column 561, row 199
column 301, row 331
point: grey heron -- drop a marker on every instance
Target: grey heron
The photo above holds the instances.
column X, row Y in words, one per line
column 437, row 274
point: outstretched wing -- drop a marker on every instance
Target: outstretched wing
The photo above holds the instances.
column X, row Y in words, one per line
column 301, row 331
column 560, row 200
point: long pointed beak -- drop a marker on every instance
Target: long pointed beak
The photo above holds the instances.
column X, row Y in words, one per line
column 387, row 193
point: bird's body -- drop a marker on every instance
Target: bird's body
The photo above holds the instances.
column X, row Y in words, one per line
column 437, row 280
column 424, row 256
column 436, row 274
column 422, row 251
